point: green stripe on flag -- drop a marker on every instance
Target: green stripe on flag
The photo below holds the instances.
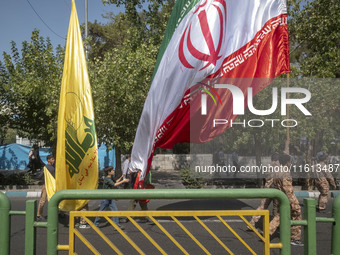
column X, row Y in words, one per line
column 180, row 10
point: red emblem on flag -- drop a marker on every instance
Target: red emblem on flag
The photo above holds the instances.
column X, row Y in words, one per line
column 210, row 37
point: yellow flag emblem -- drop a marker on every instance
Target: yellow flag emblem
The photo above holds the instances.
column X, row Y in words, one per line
column 77, row 153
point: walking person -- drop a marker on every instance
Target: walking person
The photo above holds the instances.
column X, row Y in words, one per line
column 284, row 182
column 265, row 202
column 35, row 161
column 109, row 183
column 126, row 170
column 322, row 179
column 142, row 203
column 50, row 168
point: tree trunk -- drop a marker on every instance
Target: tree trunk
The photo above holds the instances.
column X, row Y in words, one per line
column 118, row 154
column 309, row 161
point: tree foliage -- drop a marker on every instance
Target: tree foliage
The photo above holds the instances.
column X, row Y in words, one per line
column 121, row 73
column 120, row 84
column 315, row 37
column 122, row 54
column 30, row 84
column 105, row 37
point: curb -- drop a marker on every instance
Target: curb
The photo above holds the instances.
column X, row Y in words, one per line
column 37, row 194
column 27, row 194
column 315, row 194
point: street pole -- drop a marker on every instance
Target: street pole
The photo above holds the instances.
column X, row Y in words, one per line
column 287, row 129
column 86, row 29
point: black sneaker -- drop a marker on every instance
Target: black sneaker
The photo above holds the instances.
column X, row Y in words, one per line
column 40, row 218
column 126, row 220
column 120, row 226
column 296, row 243
column 141, row 220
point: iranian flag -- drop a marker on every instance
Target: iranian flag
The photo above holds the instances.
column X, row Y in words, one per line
column 212, row 52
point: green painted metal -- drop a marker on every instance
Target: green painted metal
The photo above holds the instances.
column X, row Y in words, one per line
column 40, row 224
column 299, row 222
column 324, row 219
column 5, row 224
column 309, row 214
column 30, row 230
column 17, row 212
column 336, row 227
column 52, row 223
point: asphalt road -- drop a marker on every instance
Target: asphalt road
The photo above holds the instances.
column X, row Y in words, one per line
column 18, row 227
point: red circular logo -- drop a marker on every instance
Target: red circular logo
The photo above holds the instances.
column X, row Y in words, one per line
column 203, row 36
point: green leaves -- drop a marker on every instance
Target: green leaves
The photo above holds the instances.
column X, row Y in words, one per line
column 121, row 82
column 314, row 32
column 30, row 83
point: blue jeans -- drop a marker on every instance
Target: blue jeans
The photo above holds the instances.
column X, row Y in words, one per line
column 104, row 204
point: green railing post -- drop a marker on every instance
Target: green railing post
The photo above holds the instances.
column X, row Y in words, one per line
column 336, row 227
column 285, row 224
column 30, row 230
column 5, row 224
column 309, row 214
column 52, row 222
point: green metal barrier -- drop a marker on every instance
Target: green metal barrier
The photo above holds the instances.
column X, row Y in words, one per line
column 52, row 223
column 336, row 227
column 309, row 214
column 30, row 230
column 30, row 225
column 309, row 222
column 5, row 226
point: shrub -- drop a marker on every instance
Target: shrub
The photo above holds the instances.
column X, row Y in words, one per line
column 16, row 179
column 189, row 181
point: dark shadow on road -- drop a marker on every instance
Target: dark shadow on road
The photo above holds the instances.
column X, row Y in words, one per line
column 218, row 204
column 210, row 205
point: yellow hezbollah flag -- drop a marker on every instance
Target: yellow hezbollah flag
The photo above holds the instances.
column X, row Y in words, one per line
column 77, row 153
column 49, row 183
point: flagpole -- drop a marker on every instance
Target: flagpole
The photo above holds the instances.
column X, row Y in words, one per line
column 287, row 128
column 86, row 28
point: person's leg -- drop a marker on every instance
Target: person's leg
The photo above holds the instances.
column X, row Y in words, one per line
column 82, row 220
column 102, row 207
column 42, row 201
column 264, row 204
column 323, row 187
column 276, row 207
column 274, row 224
column 143, row 206
column 113, row 207
column 132, row 205
column 296, row 230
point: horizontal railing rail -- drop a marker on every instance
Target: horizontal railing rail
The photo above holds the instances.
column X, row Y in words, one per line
column 52, row 229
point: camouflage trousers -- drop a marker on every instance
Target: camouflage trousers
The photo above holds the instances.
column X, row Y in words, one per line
column 264, row 204
column 295, row 215
column 309, row 184
column 323, row 186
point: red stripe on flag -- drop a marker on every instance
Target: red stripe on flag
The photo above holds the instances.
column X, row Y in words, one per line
column 265, row 56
